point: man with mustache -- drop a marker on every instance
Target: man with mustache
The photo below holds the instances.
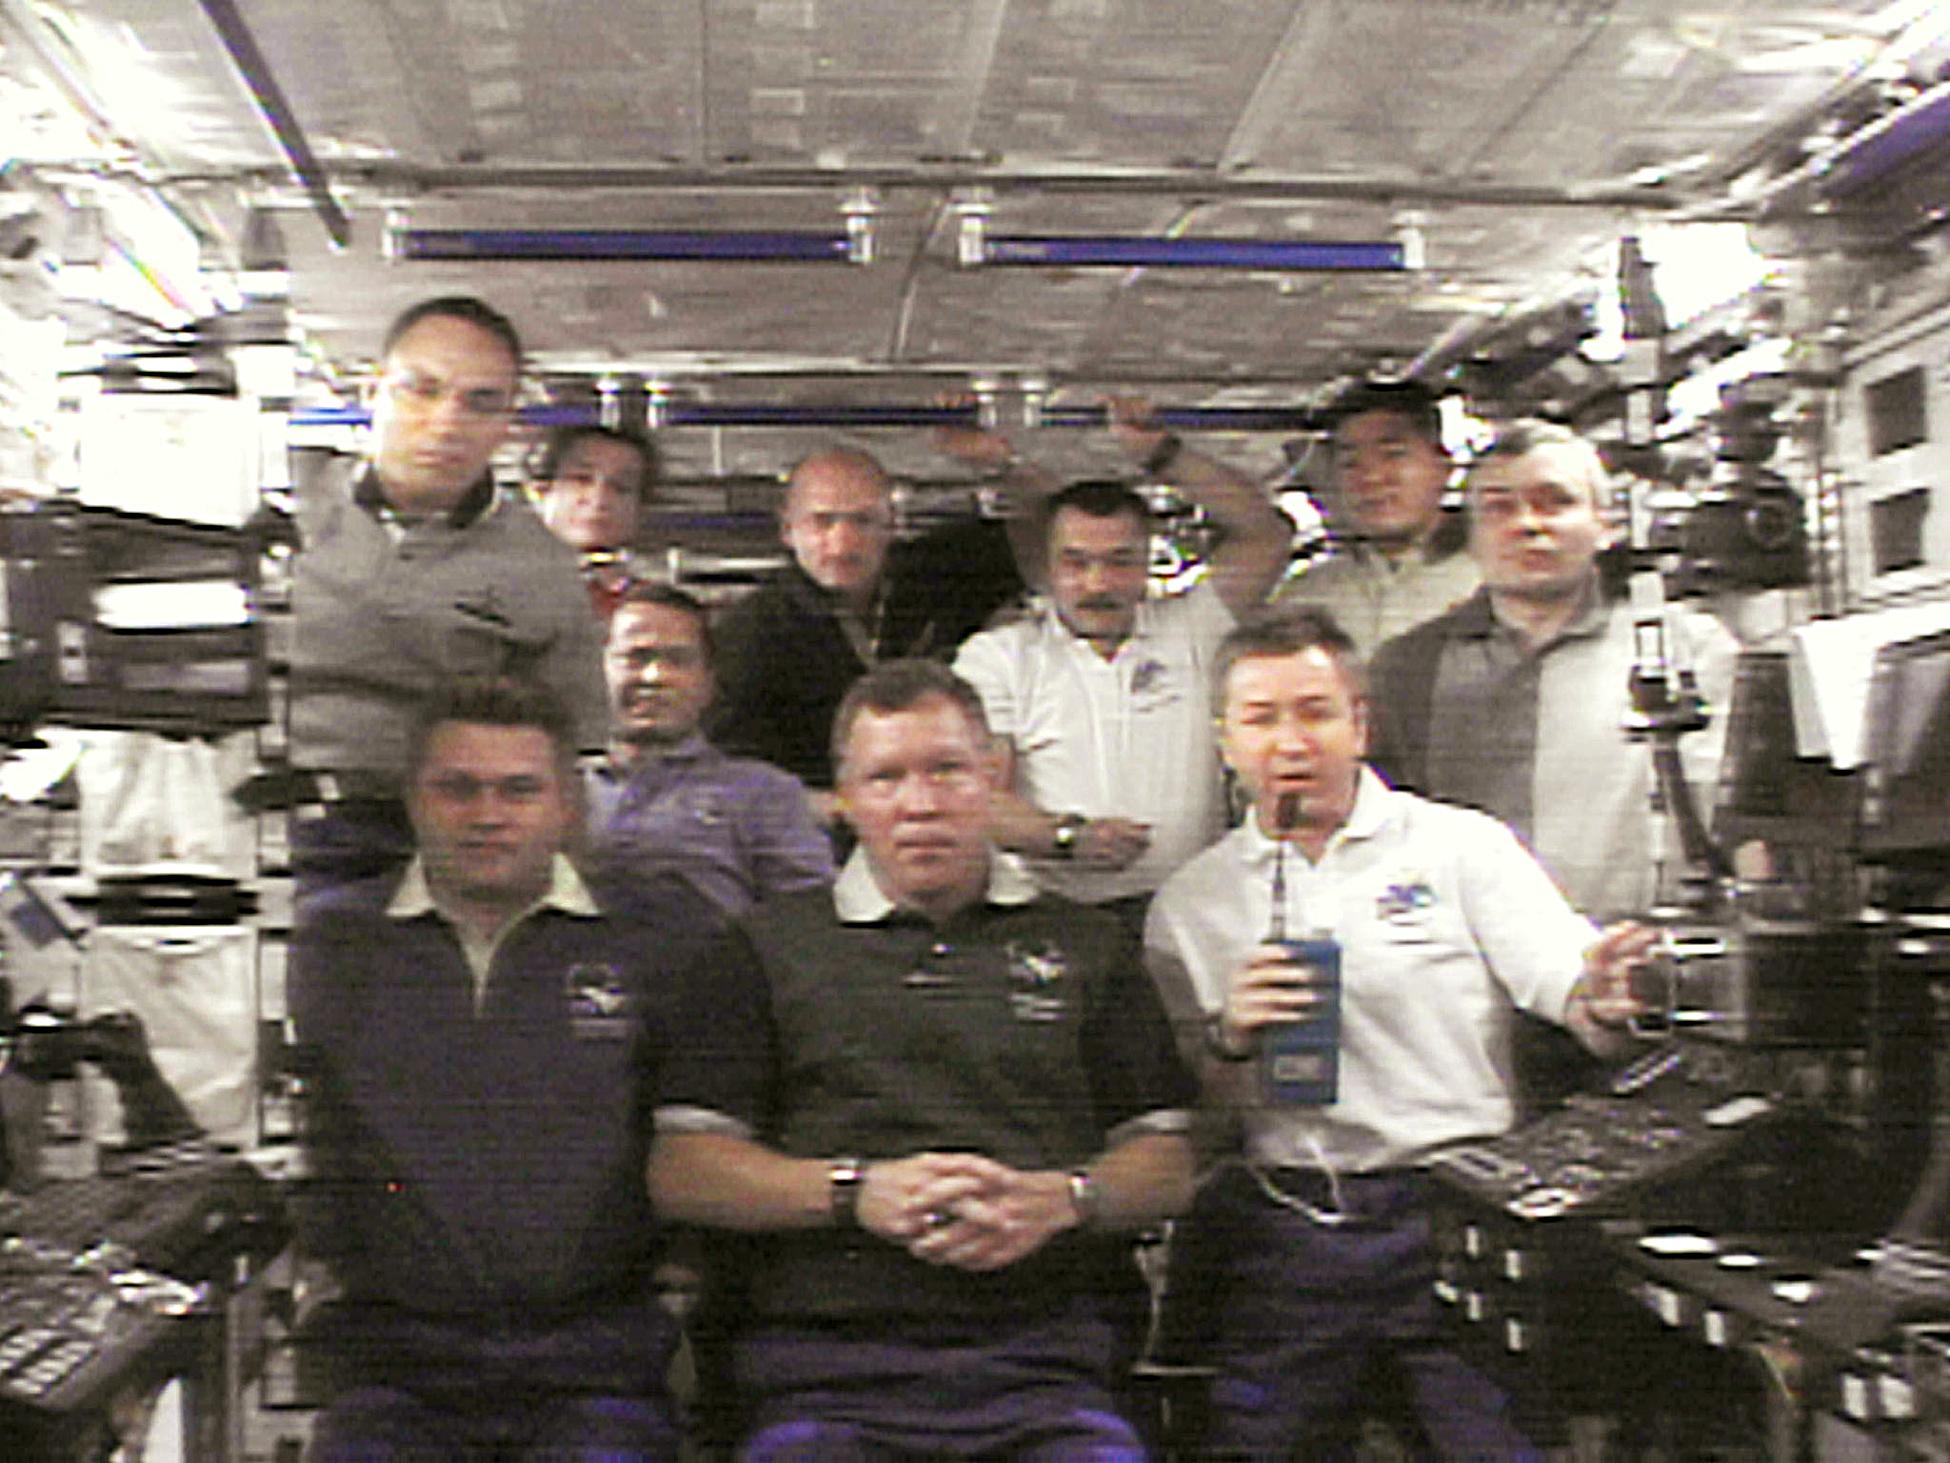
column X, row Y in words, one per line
column 666, row 802
column 1103, row 701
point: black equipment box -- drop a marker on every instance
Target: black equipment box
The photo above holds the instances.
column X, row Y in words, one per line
column 68, row 658
column 1522, row 1271
column 111, row 1284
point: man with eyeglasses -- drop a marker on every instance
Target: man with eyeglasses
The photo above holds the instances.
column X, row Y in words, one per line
column 849, row 598
column 940, row 1102
column 414, row 568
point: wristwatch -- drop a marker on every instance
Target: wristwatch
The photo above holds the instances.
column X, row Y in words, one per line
column 1215, row 1040
column 1085, row 1197
column 1069, row 830
column 843, row 1183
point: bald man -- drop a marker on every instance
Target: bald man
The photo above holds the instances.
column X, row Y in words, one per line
column 850, row 597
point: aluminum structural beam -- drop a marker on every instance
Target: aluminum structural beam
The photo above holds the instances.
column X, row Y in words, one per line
column 275, row 108
column 400, row 179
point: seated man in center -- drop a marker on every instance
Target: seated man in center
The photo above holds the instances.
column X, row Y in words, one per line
column 941, row 1098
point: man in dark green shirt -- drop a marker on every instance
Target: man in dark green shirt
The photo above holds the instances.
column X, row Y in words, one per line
column 940, row 1096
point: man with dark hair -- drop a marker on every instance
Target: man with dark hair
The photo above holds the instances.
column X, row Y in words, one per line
column 1103, row 700
column 940, row 1098
column 481, row 1044
column 412, row 569
column 851, row 596
column 1398, row 555
column 1313, row 1252
column 592, row 484
column 465, row 308
column 1516, row 700
column 668, row 803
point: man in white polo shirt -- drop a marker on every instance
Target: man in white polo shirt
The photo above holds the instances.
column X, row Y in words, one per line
column 1317, row 1239
column 1104, row 700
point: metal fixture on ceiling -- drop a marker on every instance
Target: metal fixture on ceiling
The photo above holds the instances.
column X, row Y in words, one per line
column 403, row 179
column 853, row 245
column 1301, row 255
column 747, row 246
column 275, row 108
column 662, row 410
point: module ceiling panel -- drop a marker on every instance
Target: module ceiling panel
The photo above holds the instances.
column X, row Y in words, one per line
column 1518, row 136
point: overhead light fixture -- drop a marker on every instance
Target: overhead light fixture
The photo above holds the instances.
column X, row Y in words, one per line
column 1193, row 418
column 665, row 411
column 978, row 246
column 780, row 246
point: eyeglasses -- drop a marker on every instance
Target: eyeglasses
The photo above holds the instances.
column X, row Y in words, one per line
column 414, row 392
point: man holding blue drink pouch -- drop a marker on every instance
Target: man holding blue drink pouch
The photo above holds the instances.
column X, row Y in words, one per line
column 1356, row 956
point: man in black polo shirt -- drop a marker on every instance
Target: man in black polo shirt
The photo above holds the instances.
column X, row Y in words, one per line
column 851, row 597
column 940, row 1096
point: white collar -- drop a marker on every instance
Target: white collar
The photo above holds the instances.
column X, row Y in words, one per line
column 566, row 892
column 858, row 898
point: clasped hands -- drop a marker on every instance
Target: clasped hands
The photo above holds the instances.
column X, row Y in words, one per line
column 963, row 1210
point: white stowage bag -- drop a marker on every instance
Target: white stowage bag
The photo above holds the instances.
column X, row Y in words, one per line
column 153, row 805
column 194, row 989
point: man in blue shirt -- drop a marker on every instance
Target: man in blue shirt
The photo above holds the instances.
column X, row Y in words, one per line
column 667, row 802
column 483, row 1043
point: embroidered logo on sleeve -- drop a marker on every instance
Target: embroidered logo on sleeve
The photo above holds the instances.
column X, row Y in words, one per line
column 1038, row 981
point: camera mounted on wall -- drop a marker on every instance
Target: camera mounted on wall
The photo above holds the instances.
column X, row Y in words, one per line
column 1746, row 528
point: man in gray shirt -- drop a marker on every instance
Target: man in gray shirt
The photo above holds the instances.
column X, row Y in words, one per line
column 414, row 570
column 1515, row 701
